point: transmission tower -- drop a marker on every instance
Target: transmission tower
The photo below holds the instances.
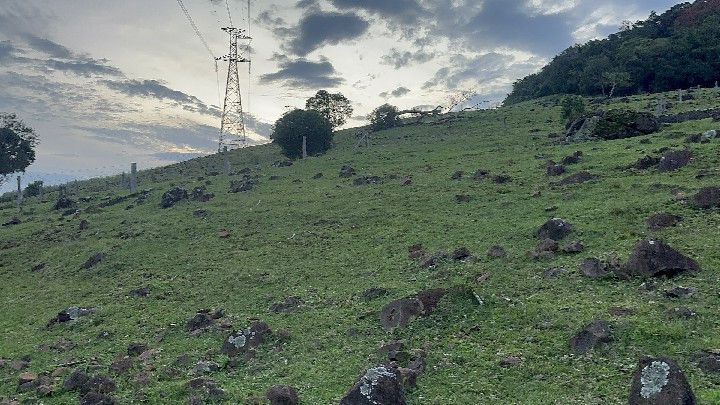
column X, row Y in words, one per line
column 232, row 126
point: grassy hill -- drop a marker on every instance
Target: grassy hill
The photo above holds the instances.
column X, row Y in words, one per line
column 500, row 336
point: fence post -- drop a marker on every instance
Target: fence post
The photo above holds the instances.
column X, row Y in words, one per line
column 680, row 96
column 304, row 147
column 226, row 161
column 133, row 178
column 19, row 196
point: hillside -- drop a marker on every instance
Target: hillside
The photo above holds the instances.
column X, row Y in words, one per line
column 677, row 49
column 318, row 257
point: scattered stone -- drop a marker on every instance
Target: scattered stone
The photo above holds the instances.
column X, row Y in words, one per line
column 26, row 377
column 173, row 196
column 18, row 365
column 38, row 267
column 461, row 254
column 282, row 395
column 205, row 367
column 708, row 362
column 653, row 258
column 591, row 336
column 142, row 292
column 122, row 365
column 497, row 252
column 223, row 234
column 681, row 312
column 555, row 170
column 416, row 251
column 93, row 261
column 290, row 304
column 659, row 381
column 501, row 178
column 241, row 186
column 457, row 175
column 374, row 293
column 594, row 268
column 205, row 388
column 620, row 311
column 707, row 198
column 378, row 385
column 480, row 175
column 577, row 178
column 679, row 292
column 136, row 349
column 645, row 163
column 553, row 272
column 201, row 194
column 400, row 313
column 347, row 172
column 76, row 380
column 462, row 198
column 13, row 221
column 662, row 220
column 241, row 341
column 547, row 245
column 675, row 160
column 361, row 181
column 70, row 314
column 573, row 247
column 95, row 398
column 555, row 229
column 199, row 322
column 510, row 361
column 572, row 159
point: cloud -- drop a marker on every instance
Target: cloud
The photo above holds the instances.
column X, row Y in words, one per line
column 465, row 71
column 319, row 29
column 7, row 52
column 304, row 74
column 404, row 11
column 400, row 59
column 48, row 47
column 87, row 68
column 399, row 92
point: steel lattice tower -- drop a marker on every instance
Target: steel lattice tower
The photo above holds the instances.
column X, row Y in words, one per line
column 232, row 126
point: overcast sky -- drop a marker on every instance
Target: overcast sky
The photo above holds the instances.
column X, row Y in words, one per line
column 107, row 82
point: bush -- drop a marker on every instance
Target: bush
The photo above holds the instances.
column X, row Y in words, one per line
column 384, row 117
column 294, row 125
column 573, row 107
column 33, row 189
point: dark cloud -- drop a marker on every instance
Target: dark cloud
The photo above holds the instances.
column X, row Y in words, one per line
column 461, row 68
column 7, row 52
column 314, row 4
column 319, row 29
column 269, row 18
column 304, row 74
column 87, row 67
column 404, row 11
column 400, row 91
column 399, row 59
column 48, row 47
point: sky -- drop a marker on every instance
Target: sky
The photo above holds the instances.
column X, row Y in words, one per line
column 105, row 83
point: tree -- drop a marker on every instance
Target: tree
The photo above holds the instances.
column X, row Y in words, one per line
column 294, row 125
column 335, row 107
column 33, row 189
column 17, row 145
column 384, row 117
column 573, row 107
column 616, row 79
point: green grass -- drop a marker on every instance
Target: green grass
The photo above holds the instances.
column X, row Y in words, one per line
column 327, row 241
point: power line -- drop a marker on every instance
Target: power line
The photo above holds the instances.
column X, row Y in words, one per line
column 227, row 6
column 195, row 28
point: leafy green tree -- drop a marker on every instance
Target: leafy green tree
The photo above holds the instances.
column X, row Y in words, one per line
column 616, row 79
column 294, row 125
column 335, row 107
column 33, row 189
column 384, row 117
column 17, row 145
column 573, row 107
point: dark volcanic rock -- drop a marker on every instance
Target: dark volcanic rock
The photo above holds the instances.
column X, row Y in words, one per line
column 361, row 181
column 95, row 398
column 241, row 341
column 659, row 381
column 430, row 299
column 461, row 253
column 400, row 313
column 675, row 160
column 480, row 174
column 646, row 162
column 497, row 252
column 347, row 171
column 501, row 178
column 11, row 222
column 199, row 322
column 93, row 261
column 377, row 386
column 662, row 220
column 282, row 395
column 70, row 314
column 75, row 380
column 679, row 292
column 576, row 178
column 457, row 175
column 707, row 198
column 173, row 196
column 591, row 336
column 594, row 268
column 201, row 194
column 572, row 159
column 653, row 258
column 241, row 186
column 555, row 229
column 708, row 362
column 142, row 292
column 555, row 170
column 573, row 247
column 136, row 349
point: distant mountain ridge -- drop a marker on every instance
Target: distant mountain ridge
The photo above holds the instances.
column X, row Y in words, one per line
column 674, row 50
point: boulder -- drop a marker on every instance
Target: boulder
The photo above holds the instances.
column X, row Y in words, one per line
column 555, row 170
column 645, row 162
column 653, row 258
column 572, row 159
column 201, row 194
column 199, row 322
column 205, row 367
column 547, row 245
column 377, row 386
column 347, row 172
column 612, row 124
column 93, row 261
column 555, row 229
column 573, row 247
column 497, row 252
column 289, row 304
column 70, row 314
column 659, row 381
column 242, row 341
column 591, row 336
column 501, row 179
column 461, row 253
column 400, row 313
column 594, row 268
column 96, row 398
column 674, row 160
column 135, row 349
column 365, row 180
column 64, row 203
column 282, row 395
column 203, row 388
column 662, row 220
column 12, row 221
column 707, row 198
column 708, row 362
column 576, row 178
column 241, row 186
column 457, row 175
column 75, row 380
column 173, row 196
column 679, row 292
column 480, row 174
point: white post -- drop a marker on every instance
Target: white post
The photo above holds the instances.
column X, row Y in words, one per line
column 19, row 196
column 680, row 94
column 226, row 161
column 133, row 178
column 304, row 147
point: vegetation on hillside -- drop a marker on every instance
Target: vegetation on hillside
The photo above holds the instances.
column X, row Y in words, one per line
column 17, row 145
column 293, row 126
column 674, row 50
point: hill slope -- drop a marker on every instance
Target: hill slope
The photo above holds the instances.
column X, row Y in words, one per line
column 500, row 336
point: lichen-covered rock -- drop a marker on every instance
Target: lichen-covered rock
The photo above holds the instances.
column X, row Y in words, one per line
column 282, row 395
column 70, row 314
column 377, row 386
column 173, row 196
column 555, row 229
column 590, row 337
column 241, row 341
column 674, row 160
column 653, row 258
column 707, row 198
column 662, row 220
column 612, row 124
column 659, row 381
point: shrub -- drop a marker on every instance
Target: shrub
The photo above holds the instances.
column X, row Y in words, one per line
column 33, row 189
column 573, row 107
column 384, row 117
column 294, row 125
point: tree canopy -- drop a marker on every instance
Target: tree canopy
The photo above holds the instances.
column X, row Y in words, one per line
column 384, row 117
column 676, row 50
column 17, row 145
column 335, row 107
column 294, row 125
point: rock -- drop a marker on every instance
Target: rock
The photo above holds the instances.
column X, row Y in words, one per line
column 674, row 160
column 612, row 124
column 462, row 198
column 555, row 229
column 38, row 267
column 70, row 314
column 679, row 292
column 501, row 179
column 241, row 341
column 11, row 222
column 241, row 186
column 173, row 196
column 594, row 268
column 282, row 395
column 317, row 176
column 400, row 313
column 361, row 181
column 577, row 178
column 497, row 252
column 659, row 381
column 461, row 253
column 480, row 175
column 201, row 194
column 64, row 203
column 347, row 172
column 590, row 337
column 681, row 312
column 136, row 349
column 416, row 251
column 26, row 377
column 546, row 245
column 290, row 304
column 374, row 293
column 394, row 351
column 75, row 380
column 273, row 178
column 457, row 175
column 573, row 247
column 430, row 299
column 510, row 361
column 555, row 170
column 93, row 261
column 662, row 220
column 283, row 163
column 205, row 367
column 204, row 388
column 199, row 322
column 99, row 384
column 377, row 386
column 572, row 159
column 707, row 198
column 95, row 398
column 142, row 292
column 122, row 365
column 708, row 362
column 553, row 272
column 653, row 258
column 18, row 365
column 645, row 163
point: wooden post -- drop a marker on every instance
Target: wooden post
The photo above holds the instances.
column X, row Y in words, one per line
column 226, row 161
column 133, row 178
column 304, row 147
column 19, row 196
